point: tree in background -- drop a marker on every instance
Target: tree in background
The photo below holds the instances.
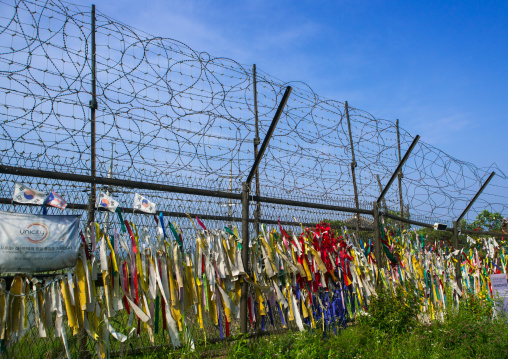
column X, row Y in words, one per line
column 337, row 226
column 437, row 236
column 487, row 221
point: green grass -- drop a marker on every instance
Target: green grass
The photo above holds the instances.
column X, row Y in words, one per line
column 450, row 339
column 469, row 332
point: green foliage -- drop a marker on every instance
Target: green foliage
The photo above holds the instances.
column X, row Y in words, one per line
column 435, row 236
column 337, row 225
column 393, row 225
column 349, row 344
column 486, row 221
column 393, row 312
column 469, row 332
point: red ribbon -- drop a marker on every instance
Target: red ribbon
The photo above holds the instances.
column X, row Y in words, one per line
column 200, row 223
column 250, row 310
column 133, row 239
column 87, row 251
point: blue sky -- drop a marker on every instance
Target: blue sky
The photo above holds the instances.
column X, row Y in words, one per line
column 440, row 67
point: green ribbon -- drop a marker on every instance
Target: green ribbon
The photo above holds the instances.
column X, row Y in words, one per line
column 400, row 276
column 118, row 211
column 233, row 234
column 205, row 288
column 229, row 231
column 177, row 237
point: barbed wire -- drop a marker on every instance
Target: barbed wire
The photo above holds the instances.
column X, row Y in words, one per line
column 176, row 115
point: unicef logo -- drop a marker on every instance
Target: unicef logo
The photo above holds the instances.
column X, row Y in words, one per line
column 35, row 233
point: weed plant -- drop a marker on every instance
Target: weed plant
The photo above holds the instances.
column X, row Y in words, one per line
column 392, row 330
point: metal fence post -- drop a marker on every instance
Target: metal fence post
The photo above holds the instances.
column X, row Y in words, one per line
column 456, row 224
column 399, row 168
column 353, row 174
column 476, row 196
column 245, row 256
column 458, row 273
column 93, row 106
column 400, row 175
column 82, row 336
column 257, row 213
column 377, row 234
column 385, row 207
column 377, row 238
column 245, row 207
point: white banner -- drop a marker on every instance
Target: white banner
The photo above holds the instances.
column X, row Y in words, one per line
column 35, row 243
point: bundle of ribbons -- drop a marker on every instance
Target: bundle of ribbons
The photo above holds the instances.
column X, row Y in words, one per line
column 316, row 278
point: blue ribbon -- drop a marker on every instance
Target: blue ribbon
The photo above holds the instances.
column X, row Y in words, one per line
column 270, row 312
column 297, row 291
column 220, row 321
column 256, row 310
column 161, row 217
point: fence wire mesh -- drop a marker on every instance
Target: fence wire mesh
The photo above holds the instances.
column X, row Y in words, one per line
column 171, row 115
column 169, row 112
